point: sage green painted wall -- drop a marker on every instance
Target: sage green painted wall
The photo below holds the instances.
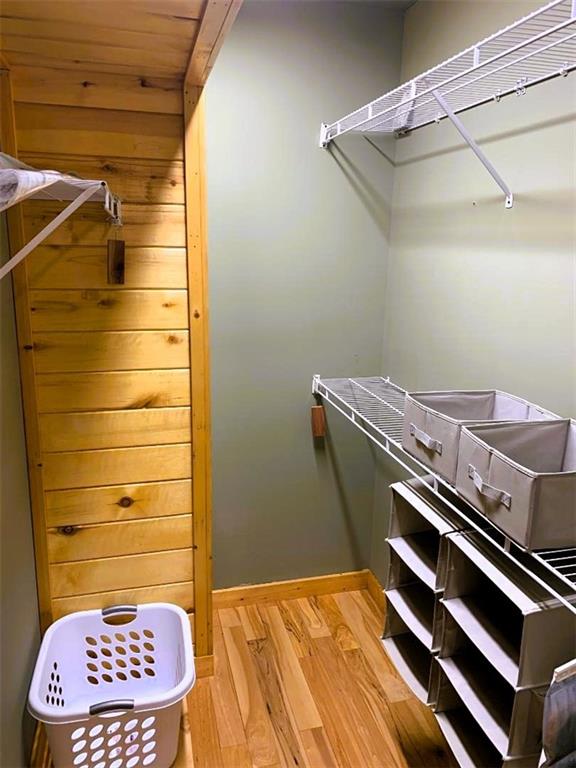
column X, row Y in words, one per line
column 298, row 243
column 476, row 295
column 19, row 630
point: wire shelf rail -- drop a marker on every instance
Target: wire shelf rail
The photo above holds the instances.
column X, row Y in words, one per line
column 534, row 49
column 375, row 405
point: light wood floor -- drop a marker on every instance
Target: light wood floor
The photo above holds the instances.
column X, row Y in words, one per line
column 305, row 683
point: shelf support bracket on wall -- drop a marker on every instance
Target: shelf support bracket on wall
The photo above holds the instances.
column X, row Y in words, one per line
column 475, row 148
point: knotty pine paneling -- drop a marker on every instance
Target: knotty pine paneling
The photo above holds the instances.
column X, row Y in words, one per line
column 171, row 18
column 143, row 225
column 92, row 55
column 83, row 131
column 56, row 352
column 112, row 376
column 181, row 594
column 83, row 88
column 113, row 503
column 114, row 539
column 114, row 573
column 133, row 180
column 131, row 43
column 78, row 391
column 113, row 429
column 85, row 267
column 113, row 466
column 102, row 310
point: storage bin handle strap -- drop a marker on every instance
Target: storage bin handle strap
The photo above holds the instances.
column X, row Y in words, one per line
column 114, row 705
column 426, row 440
column 495, row 494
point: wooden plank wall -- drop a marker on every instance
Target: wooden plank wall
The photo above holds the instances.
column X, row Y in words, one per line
column 111, row 362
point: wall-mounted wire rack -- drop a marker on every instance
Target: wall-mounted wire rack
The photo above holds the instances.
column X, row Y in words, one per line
column 537, row 48
column 375, row 405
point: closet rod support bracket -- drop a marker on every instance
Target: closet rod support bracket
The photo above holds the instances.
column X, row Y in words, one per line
column 455, row 120
column 324, row 140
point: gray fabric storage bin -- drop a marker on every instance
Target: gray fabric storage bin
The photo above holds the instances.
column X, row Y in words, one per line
column 433, row 422
column 522, row 477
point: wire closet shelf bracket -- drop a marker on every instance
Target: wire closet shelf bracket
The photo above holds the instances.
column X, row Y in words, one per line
column 537, row 48
column 375, row 405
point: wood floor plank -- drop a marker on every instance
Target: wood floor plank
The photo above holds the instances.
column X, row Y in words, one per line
column 252, row 623
column 366, row 629
column 203, row 730
column 259, row 732
column 281, row 716
column 340, row 631
column 228, row 718
column 331, row 694
column 376, row 744
column 418, row 736
column 294, row 623
column 236, row 756
column 293, row 679
column 229, row 617
column 185, row 756
column 375, row 697
column 318, row 750
column 313, row 619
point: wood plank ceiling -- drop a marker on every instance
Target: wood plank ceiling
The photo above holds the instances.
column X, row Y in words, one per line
column 143, row 38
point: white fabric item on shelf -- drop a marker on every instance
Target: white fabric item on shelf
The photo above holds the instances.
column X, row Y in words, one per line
column 19, row 182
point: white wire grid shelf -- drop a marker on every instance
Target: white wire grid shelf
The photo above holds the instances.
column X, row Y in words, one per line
column 536, row 48
column 375, row 405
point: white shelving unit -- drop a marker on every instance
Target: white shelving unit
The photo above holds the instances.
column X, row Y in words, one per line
column 536, row 48
column 466, row 607
column 375, row 405
column 19, row 182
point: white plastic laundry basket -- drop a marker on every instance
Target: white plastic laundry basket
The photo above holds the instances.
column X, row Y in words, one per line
column 109, row 684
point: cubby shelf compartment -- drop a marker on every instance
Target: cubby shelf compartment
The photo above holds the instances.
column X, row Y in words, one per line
column 418, row 521
column 462, row 730
column 415, row 606
column 408, row 654
column 375, row 405
column 420, row 550
column 503, row 615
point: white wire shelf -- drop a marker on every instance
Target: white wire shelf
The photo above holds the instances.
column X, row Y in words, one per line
column 375, row 405
column 534, row 49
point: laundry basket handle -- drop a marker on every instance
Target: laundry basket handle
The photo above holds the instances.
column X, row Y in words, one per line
column 114, row 705
column 427, row 441
column 495, row 494
column 122, row 610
